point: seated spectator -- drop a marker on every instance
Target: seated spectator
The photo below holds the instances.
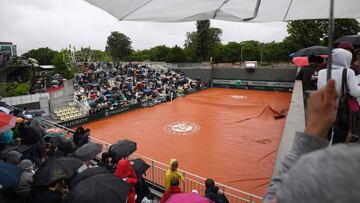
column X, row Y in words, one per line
column 313, row 171
column 173, row 189
column 172, row 172
column 125, row 171
column 24, row 186
column 212, row 192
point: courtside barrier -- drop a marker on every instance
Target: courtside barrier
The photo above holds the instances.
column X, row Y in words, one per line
column 156, row 176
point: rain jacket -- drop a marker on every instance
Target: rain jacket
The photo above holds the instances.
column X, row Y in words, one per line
column 341, row 59
column 170, row 174
column 213, row 194
column 125, row 171
column 172, row 190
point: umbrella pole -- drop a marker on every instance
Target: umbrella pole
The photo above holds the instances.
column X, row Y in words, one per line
column 330, row 39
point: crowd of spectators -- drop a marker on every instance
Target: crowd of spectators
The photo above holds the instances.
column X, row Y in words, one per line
column 112, row 87
column 27, row 147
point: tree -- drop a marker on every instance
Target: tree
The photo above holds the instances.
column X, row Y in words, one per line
column 305, row 33
column 175, row 55
column 200, row 45
column 43, row 55
column 203, row 40
column 62, row 66
column 118, row 46
column 251, row 50
column 159, row 53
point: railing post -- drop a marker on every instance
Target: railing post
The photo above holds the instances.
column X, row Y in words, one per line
column 250, row 198
column 184, row 182
column 152, row 170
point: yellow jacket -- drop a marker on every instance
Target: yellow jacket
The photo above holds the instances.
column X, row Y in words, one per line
column 170, row 174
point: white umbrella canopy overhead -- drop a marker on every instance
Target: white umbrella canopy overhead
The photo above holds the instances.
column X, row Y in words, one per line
column 229, row 10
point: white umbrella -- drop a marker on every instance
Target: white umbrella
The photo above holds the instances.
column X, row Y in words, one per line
column 232, row 10
column 229, row 10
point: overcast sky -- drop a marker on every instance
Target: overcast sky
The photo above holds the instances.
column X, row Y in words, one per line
column 31, row 24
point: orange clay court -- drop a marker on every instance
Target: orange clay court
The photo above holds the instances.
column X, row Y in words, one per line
column 229, row 135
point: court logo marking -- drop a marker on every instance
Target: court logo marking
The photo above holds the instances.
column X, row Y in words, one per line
column 239, row 97
column 182, row 128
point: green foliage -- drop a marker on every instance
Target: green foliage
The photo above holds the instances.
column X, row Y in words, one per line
column 43, row 55
column 118, row 46
column 175, row 55
column 62, row 66
column 200, row 45
column 16, row 89
column 98, row 55
column 305, row 33
column 159, row 53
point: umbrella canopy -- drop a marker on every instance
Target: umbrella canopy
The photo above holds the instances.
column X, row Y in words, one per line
column 123, row 148
column 9, row 175
column 56, row 169
column 104, row 188
column 88, row 151
column 353, row 39
column 313, row 50
column 5, row 110
column 87, row 173
column 229, row 10
column 140, row 166
column 189, row 198
column 6, row 122
column 300, row 61
column 58, row 140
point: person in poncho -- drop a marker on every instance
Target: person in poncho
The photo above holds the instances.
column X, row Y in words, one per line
column 172, row 172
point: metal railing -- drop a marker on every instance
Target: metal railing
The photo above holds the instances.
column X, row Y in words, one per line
column 31, row 98
column 157, row 170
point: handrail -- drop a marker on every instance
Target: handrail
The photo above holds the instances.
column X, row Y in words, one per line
column 164, row 167
column 57, row 125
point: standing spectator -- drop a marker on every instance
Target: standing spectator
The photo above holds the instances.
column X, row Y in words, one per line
column 341, row 60
column 212, row 192
column 85, row 137
column 125, row 171
column 313, row 171
column 77, row 136
column 173, row 189
column 24, row 186
column 305, row 75
column 172, row 172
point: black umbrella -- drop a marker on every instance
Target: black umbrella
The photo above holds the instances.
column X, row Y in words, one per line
column 87, row 173
column 9, row 175
column 104, row 188
column 123, row 148
column 88, row 151
column 58, row 140
column 56, row 169
column 140, row 166
column 353, row 39
column 313, row 50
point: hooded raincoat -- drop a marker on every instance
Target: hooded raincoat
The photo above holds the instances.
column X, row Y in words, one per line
column 170, row 174
column 125, row 171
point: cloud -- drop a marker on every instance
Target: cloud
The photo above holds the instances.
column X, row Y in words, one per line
column 32, row 24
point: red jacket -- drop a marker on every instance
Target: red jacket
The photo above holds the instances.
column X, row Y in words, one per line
column 172, row 190
column 124, row 170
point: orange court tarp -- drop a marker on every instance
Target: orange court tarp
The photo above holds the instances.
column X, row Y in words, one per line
column 229, row 135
